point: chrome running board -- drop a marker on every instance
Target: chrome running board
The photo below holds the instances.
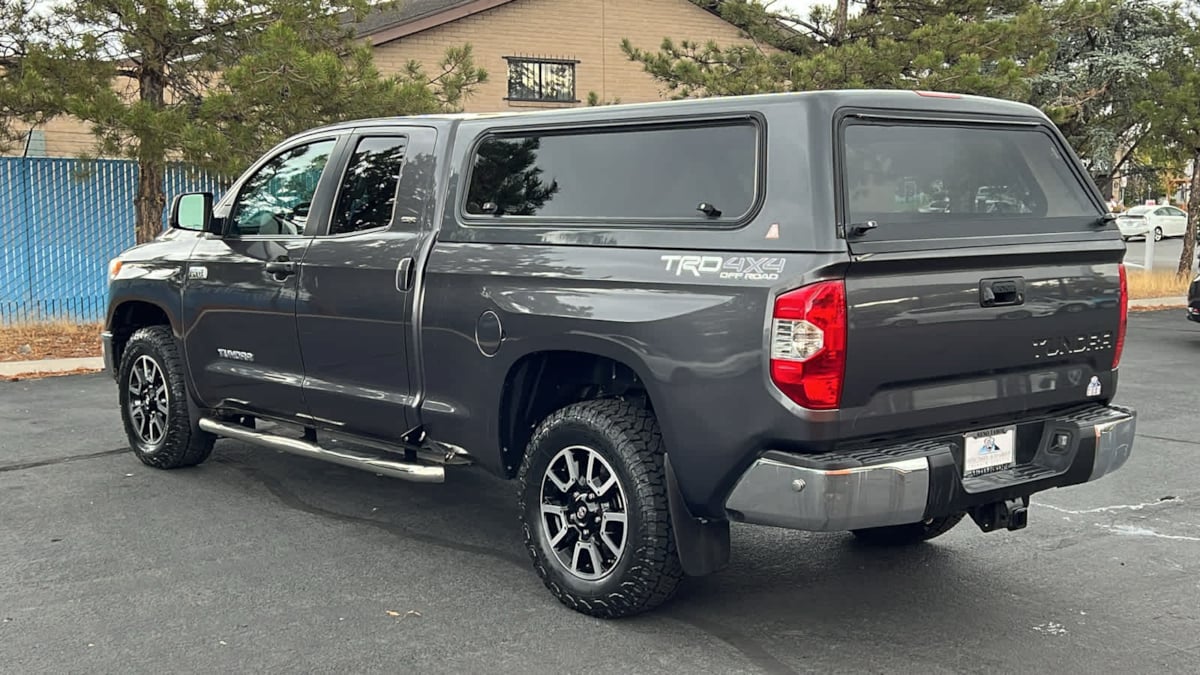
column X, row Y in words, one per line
column 379, row 463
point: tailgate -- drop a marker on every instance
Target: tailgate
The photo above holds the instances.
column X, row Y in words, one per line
column 942, row 334
column 983, row 282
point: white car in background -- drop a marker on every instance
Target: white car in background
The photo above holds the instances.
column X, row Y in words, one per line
column 1161, row 221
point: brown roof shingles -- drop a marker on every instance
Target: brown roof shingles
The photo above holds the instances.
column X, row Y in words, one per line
column 407, row 11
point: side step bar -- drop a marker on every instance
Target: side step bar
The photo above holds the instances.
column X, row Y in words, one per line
column 375, row 463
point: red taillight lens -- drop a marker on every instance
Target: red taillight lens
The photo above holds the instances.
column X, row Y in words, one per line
column 1124, row 319
column 808, row 344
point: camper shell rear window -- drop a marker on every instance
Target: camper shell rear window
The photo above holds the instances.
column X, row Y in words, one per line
column 917, row 180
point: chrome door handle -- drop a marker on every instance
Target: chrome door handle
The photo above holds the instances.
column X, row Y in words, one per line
column 404, row 275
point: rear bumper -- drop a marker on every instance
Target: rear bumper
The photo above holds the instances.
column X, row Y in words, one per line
column 877, row 487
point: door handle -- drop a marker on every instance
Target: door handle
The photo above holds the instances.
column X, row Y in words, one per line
column 281, row 267
column 1001, row 292
column 404, row 275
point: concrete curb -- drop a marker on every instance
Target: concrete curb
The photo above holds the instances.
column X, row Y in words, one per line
column 1168, row 302
column 14, row 368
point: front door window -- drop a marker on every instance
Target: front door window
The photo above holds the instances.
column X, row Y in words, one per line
column 276, row 199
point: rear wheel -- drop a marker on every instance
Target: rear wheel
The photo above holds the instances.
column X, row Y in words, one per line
column 154, row 404
column 912, row 533
column 593, row 500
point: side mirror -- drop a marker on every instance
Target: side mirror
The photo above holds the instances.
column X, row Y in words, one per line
column 192, row 211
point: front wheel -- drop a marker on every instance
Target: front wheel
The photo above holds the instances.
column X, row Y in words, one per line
column 912, row 533
column 154, row 404
column 593, row 501
column 1158, row 234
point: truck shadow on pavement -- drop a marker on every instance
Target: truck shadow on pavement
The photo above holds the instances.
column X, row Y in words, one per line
column 811, row 583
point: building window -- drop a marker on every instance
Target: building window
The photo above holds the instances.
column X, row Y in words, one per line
column 541, row 80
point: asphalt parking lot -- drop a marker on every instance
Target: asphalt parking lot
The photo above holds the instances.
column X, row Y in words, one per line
column 257, row 561
column 1166, row 253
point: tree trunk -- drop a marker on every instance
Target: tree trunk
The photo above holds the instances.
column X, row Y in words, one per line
column 1193, row 208
column 152, row 85
column 1105, row 183
column 839, row 26
column 148, row 205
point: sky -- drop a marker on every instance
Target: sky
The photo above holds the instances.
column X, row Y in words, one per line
column 799, row 6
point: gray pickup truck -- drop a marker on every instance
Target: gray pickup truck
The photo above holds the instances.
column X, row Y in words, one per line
column 875, row 312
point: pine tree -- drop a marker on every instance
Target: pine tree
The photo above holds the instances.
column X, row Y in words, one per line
column 1173, row 119
column 987, row 47
column 1100, row 74
column 213, row 83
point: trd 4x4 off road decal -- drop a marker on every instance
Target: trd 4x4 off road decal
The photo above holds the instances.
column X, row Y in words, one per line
column 745, row 268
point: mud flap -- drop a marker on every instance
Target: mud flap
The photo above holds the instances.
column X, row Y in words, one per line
column 703, row 545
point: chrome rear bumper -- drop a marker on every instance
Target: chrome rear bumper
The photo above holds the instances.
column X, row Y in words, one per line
column 833, row 492
column 801, row 498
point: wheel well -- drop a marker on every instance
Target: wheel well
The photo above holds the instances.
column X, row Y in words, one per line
column 128, row 318
column 543, row 382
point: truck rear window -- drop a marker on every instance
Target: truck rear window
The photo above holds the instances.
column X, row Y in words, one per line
column 959, row 181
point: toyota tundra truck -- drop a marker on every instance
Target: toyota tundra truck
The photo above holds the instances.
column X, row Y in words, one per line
column 877, row 312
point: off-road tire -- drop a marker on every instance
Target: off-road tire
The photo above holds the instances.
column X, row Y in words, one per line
column 183, row 443
column 628, row 438
column 907, row 535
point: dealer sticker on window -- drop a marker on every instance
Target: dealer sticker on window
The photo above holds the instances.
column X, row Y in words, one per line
column 989, row 451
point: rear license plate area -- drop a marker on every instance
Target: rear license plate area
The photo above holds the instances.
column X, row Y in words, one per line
column 989, row 451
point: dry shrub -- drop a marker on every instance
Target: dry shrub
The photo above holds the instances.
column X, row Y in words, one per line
column 1156, row 284
column 56, row 339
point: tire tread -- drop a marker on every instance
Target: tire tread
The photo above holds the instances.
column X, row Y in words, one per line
column 656, row 572
column 185, row 444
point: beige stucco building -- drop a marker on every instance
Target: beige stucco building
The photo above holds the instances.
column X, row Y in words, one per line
column 545, row 50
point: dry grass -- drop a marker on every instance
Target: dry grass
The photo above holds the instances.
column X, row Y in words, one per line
column 1156, row 284
column 49, row 340
column 1153, row 308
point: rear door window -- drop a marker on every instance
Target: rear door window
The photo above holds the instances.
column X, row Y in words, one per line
column 367, row 198
column 920, row 181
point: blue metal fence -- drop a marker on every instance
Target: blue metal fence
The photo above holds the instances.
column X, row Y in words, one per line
column 61, row 221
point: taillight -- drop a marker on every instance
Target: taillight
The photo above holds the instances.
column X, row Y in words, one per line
column 808, row 344
column 1124, row 318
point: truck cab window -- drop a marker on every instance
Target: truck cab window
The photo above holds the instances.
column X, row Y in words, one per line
column 367, row 197
column 276, row 199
